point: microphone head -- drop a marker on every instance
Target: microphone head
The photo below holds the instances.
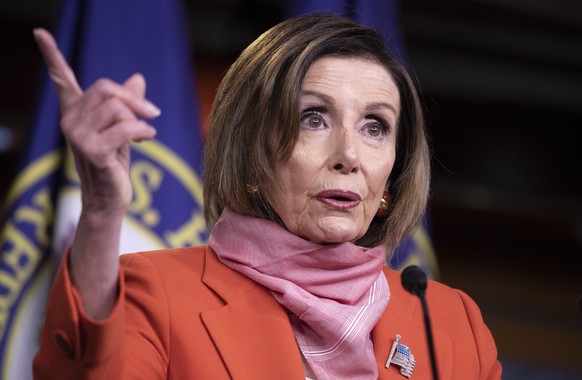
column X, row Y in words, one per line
column 414, row 280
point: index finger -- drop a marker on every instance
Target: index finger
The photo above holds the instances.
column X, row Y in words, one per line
column 59, row 70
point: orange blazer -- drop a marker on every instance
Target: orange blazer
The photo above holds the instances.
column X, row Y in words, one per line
column 182, row 314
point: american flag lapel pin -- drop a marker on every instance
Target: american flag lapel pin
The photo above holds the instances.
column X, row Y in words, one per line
column 401, row 355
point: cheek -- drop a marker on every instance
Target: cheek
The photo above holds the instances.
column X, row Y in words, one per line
column 298, row 173
column 289, row 181
column 381, row 171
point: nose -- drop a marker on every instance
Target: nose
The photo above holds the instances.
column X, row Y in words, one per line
column 345, row 154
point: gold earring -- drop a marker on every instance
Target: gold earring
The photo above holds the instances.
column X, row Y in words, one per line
column 252, row 189
column 384, row 205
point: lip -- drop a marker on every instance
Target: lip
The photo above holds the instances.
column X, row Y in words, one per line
column 339, row 199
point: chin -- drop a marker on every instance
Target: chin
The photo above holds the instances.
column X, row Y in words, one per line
column 330, row 233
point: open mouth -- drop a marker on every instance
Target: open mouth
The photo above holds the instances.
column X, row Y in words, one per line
column 341, row 199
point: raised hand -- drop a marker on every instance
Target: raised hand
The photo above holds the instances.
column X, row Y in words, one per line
column 99, row 125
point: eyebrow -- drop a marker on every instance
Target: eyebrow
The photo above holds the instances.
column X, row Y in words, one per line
column 369, row 107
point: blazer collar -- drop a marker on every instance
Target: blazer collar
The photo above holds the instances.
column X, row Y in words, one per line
column 251, row 331
column 254, row 337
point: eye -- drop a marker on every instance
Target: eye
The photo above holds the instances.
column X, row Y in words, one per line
column 312, row 119
column 376, row 128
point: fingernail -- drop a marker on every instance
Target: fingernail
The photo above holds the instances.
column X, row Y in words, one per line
column 152, row 109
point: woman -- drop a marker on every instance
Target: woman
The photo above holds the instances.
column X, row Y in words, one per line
column 314, row 129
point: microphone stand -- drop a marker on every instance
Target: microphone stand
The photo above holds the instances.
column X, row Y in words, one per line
column 414, row 281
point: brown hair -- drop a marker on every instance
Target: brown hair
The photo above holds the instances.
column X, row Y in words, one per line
column 257, row 107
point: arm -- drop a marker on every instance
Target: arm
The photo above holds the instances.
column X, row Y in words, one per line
column 99, row 125
column 131, row 343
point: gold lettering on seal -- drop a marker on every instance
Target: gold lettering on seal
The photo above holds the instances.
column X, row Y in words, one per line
column 189, row 233
column 24, row 255
column 40, row 217
column 23, row 258
column 146, row 178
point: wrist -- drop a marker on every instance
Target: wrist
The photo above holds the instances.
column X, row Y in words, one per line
column 102, row 216
column 107, row 203
column 99, row 228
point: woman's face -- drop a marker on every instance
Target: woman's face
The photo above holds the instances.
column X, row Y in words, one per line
column 330, row 188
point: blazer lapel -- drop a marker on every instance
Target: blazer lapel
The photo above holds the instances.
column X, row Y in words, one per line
column 251, row 331
column 384, row 333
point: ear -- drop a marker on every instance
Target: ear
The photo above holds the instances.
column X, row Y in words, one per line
column 388, row 183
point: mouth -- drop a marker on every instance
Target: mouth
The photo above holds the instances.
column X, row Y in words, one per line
column 339, row 199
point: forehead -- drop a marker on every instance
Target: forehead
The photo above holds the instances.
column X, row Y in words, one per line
column 350, row 74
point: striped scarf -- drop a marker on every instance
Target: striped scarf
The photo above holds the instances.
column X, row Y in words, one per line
column 335, row 293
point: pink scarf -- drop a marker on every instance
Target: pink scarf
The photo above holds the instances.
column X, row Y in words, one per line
column 336, row 293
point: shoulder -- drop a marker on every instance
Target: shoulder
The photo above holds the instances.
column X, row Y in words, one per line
column 165, row 255
column 443, row 300
column 168, row 270
column 456, row 320
column 184, row 272
column 452, row 311
column 175, row 259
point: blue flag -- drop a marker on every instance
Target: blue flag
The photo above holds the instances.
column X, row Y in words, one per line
column 382, row 16
column 112, row 39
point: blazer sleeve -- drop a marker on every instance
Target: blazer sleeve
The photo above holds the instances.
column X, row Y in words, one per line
column 74, row 346
column 490, row 367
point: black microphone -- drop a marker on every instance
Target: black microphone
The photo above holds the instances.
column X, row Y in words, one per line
column 414, row 280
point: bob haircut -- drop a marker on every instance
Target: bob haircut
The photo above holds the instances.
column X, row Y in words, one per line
column 255, row 122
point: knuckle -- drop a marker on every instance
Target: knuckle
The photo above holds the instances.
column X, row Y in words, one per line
column 102, row 86
column 118, row 109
